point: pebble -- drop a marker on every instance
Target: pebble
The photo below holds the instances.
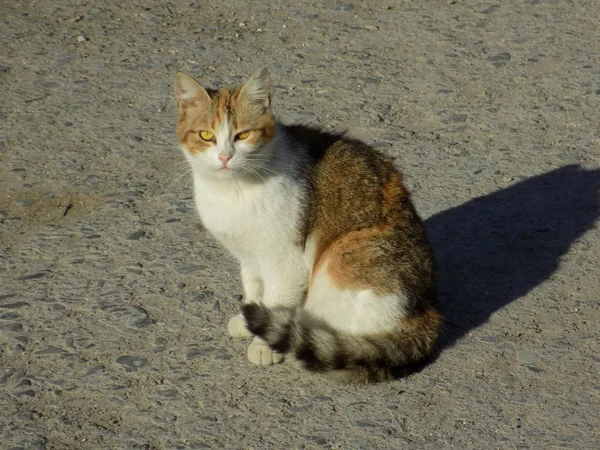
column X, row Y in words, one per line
column 12, row 327
column 499, row 60
column 51, row 350
column 197, row 352
column 455, row 118
column 132, row 363
column 525, row 356
column 137, row 235
column 26, row 202
column 14, row 305
column 365, row 424
column 222, row 355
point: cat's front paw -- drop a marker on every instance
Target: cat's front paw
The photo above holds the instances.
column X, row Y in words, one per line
column 237, row 327
column 261, row 354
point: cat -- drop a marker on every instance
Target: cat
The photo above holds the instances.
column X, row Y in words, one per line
column 335, row 263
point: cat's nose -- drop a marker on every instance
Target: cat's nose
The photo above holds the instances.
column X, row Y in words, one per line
column 224, row 159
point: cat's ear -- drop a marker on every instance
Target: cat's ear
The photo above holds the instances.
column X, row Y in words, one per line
column 257, row 90
column 188, row 91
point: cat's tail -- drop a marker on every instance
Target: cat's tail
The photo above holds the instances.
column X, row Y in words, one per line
column 348, row 357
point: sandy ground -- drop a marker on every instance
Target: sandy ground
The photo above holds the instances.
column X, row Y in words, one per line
column 114, row 301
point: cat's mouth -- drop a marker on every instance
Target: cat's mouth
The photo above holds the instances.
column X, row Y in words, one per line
column 225, row 171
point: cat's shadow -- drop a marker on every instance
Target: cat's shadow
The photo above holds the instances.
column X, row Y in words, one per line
column 494, row 249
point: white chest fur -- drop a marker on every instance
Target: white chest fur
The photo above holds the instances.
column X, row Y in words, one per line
column 252, row 221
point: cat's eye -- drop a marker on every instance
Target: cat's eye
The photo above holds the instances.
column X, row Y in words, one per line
column 207, row 135
column 243, row 135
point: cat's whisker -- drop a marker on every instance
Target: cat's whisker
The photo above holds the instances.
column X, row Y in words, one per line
column 183, row 168
column 180, row 166
column 262, row 159
column 259, row 168
column 177, row 179
column 177, row 172
column 254, row 172
column 259, row 157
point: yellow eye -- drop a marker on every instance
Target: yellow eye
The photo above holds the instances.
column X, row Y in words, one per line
column 243, row 135
column 207, row 135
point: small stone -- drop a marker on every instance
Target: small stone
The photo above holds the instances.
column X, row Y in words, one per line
column 500, row 59
column 14, row 305
column 33, row 276
column 222, row 355
column 51, row 350
column 370, row 80
column 12, row 327
column 319, row 440
column 491, row 9
column 365, row 424
column 92, row 370
column 169, row 393
column 28, row 393
column 137, row 235
column 26, row 202
column 81, row 38
column 24, row 382
column 203, row 296
column 491, row 339
column 132, row 363
column 343, row 7
column 527, row 357
column 348, row 398
column 196, row 353
column 455, row 118
column 10, row 316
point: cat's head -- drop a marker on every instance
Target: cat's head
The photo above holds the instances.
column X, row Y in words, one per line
column 226, row 133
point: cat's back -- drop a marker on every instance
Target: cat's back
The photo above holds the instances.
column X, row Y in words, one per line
column 353, row 184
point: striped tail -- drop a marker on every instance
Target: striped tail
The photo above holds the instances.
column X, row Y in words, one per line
column 348, row 357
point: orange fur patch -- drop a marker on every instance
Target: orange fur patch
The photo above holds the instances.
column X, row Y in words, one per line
column 424, row 330
column 262, row 126
column 224, row 105
column 350, row 259
column 220, row 108
column 430, row 318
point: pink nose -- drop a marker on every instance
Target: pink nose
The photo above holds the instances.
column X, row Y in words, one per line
column 224, row 159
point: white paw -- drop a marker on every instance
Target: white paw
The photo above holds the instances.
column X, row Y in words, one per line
column 237, row 327
column 260, row 354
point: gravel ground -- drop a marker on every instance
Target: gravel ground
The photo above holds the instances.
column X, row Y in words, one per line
column 114, row 301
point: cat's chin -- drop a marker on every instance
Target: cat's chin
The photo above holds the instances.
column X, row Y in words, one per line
column 227, row 173
column 221, row 174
